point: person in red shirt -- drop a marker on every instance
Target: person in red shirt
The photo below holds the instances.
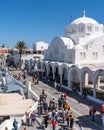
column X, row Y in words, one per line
column 93, row 111
column 102, row 108
column 65, row 95
column 54, row 123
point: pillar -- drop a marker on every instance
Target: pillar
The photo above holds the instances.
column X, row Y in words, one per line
column 80, row 87
column 86, row 79
column 53, row 75
column 98, row 83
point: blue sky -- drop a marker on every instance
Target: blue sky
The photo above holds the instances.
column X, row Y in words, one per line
column 41, row 20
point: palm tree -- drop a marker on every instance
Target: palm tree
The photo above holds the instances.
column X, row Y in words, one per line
column 21, row 46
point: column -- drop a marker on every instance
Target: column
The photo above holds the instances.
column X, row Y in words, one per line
column 98, row 83
column 53, row 75
column 69, row 82
column 86, row 79
column 80, row 87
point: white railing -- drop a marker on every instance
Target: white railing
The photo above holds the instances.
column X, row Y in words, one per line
column 32, row 95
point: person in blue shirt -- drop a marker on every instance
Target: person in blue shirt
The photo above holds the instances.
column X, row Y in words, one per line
column 15, row 124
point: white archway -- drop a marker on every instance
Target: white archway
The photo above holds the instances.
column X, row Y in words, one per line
column 74, row 78
column 86, row 81
column 98, row 82
column 64, row 74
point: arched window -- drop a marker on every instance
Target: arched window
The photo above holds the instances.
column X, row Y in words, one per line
column 82, row 55
column 95, row 55
column 89, row 28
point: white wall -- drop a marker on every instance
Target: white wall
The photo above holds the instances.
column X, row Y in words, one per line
column 40, row 46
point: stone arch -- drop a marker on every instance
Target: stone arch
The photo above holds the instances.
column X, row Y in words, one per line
column 99, row 84
column 57, row 72
column 74, row 78
column 50, row 72
column 64, row 74
column 86, row 81
column 84, row 71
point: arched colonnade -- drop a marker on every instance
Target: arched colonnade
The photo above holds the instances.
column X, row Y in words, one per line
column 73, row 77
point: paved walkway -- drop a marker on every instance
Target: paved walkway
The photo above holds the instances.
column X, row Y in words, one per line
column 79, row 106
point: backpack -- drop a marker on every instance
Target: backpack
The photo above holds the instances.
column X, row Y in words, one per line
column 60, row 101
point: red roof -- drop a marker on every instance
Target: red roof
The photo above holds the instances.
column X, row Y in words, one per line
column 4, row 50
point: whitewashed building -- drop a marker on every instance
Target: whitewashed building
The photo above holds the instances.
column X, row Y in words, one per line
column 83, row 43
column 76, row 60
column 40, row 46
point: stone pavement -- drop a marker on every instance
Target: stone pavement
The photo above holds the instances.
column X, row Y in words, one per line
column 79, row 106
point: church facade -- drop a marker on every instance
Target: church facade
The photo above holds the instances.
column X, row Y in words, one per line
column 76, row 61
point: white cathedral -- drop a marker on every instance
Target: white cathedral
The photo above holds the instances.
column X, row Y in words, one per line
column 76, row 60
column 83, row 43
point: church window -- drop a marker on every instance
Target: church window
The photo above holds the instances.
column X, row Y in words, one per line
column 89, row 29
column 82, row 55
column 95, row 55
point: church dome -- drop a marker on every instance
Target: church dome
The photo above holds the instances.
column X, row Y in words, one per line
column 84, row 20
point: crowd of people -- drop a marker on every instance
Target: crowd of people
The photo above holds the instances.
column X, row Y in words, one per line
column 55, row 111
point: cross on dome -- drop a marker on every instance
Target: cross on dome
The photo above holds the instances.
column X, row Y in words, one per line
column 84, row 12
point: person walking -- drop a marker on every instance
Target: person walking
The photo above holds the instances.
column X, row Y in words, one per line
column 67, row 117
column 33, row 118
column 15, row 124
column 71, row 120
column 27, row 118
column 54, row 123
column 46, row 120
column 93, row 111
